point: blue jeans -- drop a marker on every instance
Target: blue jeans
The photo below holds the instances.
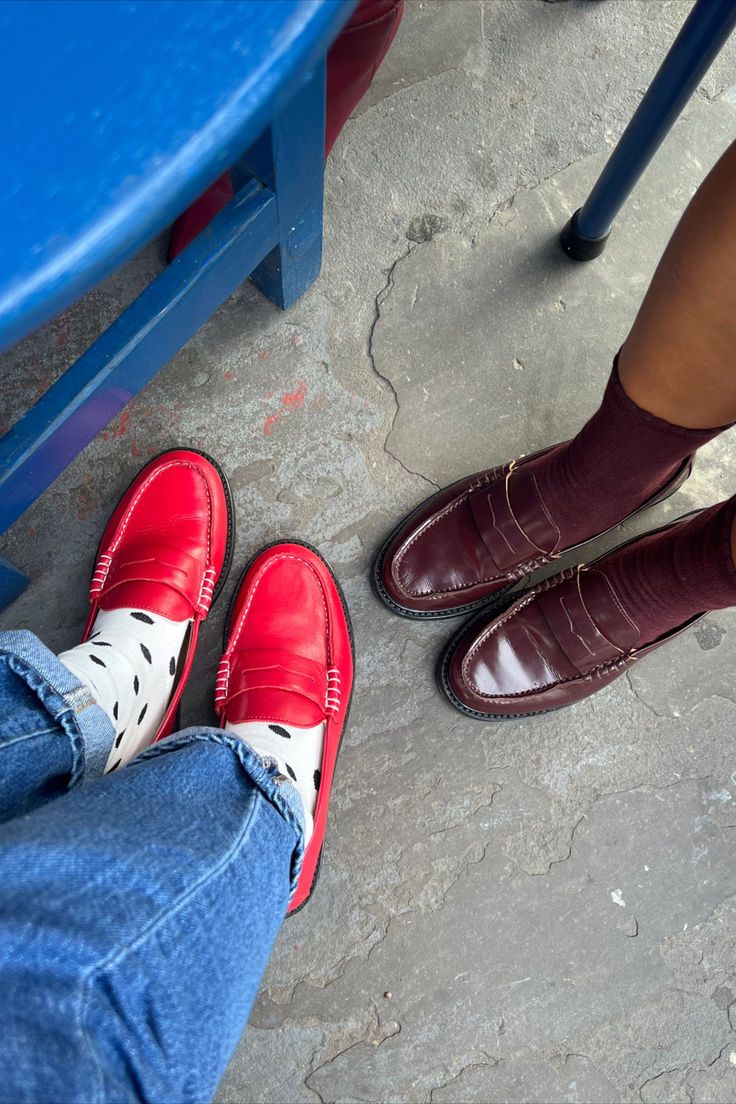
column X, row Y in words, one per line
column 138, row 909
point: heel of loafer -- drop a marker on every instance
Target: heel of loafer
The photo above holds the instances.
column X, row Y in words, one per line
column 676, row 482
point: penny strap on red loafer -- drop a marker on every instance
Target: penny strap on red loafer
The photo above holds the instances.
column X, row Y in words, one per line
column 176, row 581
column 273, row 685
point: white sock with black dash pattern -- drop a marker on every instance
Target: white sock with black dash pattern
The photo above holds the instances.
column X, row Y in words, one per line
column 129, row 663
column 297, row 751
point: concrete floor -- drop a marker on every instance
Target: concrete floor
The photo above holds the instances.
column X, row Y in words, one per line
column 543, row 911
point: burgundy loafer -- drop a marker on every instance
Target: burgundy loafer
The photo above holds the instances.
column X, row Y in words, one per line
column 558, row 643
column 474, row 541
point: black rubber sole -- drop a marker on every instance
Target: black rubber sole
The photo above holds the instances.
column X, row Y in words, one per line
column 348, row 621
column 482, row 603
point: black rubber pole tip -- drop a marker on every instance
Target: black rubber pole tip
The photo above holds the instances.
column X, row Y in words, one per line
column 578, row 247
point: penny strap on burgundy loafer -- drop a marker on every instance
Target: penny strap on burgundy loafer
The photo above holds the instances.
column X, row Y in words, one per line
column 559, row 642
column 514, row 523
column 587, row 638
column 473, row 541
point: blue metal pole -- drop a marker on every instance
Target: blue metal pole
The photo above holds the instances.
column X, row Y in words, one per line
column 703, row 34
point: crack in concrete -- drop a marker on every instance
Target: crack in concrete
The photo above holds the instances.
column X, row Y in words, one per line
column 686, row 1070
column 647, row 706
column 380, row 300
column 374, row 1028
column 378, row 942
column 642, row 786
column 407, row 88
column 488, row 1064
column 503, row 205
column 673, row 716
column 465, row 819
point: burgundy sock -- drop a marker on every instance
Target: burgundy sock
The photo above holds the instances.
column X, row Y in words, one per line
column 620, row 458
column 668, row 577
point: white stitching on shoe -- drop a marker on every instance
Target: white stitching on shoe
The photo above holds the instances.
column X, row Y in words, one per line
column 222, row 681
column 206, row 590
column 332, row 701
column 102, row 570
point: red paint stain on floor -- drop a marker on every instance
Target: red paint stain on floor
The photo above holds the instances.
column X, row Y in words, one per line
column 128, row 423
column 122, row 427
column 290, row 401
column 86, row 501
column 294, row 400
column 119, row 426
column 264, row 354
column 271, row 421
column 227, row 375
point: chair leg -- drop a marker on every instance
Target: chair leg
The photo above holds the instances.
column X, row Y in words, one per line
column 703, row 34
column 12, row 582
column 289, row 160
column 129, row 353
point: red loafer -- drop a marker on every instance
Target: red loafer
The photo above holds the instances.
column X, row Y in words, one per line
column 289, row 659
column 167, row 549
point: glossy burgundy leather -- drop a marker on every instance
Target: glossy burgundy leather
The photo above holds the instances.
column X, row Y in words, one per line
column 475, row 539
column 288, row 659
column 556, row 644
column 166, row 549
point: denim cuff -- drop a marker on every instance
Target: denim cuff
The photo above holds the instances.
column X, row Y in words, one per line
column 262, row 771
column 88, row 728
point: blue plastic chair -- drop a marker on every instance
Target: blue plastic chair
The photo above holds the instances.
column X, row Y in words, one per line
column 118, row 114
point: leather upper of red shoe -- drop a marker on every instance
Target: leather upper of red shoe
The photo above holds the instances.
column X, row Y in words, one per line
column 289, row 660
column 288, row 644
column 164, row 547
